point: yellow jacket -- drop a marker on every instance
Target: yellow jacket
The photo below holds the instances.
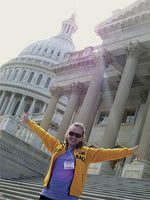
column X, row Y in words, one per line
column 83, row 157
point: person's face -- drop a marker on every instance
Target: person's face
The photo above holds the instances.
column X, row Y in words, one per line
column 74, row 135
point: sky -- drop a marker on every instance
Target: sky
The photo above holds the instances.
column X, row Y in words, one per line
column 23, row 22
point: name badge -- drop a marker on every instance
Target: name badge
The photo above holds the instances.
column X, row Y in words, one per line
column 68, row 165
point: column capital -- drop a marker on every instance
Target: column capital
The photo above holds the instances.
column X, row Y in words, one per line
column 77, row 88
column 134, row 48
column 56, row 91
column 106, row 56
column 23, row 96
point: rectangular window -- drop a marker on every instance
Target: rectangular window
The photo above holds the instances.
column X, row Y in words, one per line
column 57, row 118
column 129, row 115
column 60, row 111
column 102, row 118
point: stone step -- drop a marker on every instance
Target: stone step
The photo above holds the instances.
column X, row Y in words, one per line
column 117, row 195
column 90, row 198
column 21, row 187
column 131, row 190
column 116, row 188
column 87, row 186
column 105, row 197
column 16, row 197
column 21, row 190
column 96, row 188
column 21, row 184
column 18, row 193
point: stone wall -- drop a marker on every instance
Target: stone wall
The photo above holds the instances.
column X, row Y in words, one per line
column 19, row 159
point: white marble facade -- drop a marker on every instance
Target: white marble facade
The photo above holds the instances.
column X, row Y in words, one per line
column 105, row 87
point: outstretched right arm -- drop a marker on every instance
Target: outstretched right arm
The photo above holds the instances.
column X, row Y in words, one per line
column 49, row 141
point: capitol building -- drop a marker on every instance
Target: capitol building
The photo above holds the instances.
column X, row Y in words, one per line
column 106, row 87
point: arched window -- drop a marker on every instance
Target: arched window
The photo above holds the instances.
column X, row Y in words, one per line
column 57, row 117
column 22, row 75
column 2, row 102
column 36, row 110
column 39, row 79
column 47, row 82
column 9, row 74
column 4, row 73
column 38, row 107
column 52, row 51
column 68, row 29
column 15, row 74
column 58, row 54
column 16, row 107
column 65, row 26
column 33, row 49
column 27, row 107
column 30, row 77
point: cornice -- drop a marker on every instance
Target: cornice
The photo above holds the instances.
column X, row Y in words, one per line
column 28, row 62
column 132, row 16
column 84, row 63
column 73, row 65
column 123, row 24
column 19, row 88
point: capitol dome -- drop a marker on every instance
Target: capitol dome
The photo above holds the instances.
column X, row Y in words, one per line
column 56, row 47
column 27, row 78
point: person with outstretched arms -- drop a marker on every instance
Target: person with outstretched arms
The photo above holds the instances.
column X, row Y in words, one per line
column 70, row 160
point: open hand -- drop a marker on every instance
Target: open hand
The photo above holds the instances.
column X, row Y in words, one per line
column 137, row 153
column 25, row 117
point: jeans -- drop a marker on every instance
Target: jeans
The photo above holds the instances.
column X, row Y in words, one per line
column 44, row 198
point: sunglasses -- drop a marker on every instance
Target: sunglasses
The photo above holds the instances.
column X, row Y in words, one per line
column 78, row 135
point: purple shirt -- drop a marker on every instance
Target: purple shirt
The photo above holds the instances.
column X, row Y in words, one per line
column 59, row 186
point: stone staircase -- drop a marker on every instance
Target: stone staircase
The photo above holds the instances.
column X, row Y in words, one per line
column 96, row 188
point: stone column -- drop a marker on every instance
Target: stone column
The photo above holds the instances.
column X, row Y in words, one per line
column 9, row 104
column 145, row 137
column 93, row 93
column 2, row 97
column 32, row 106
column 21, row 106
column 44, row 107
column 76, row 90
column 4, row 105
column 141, row 169
column 133, row 49
column 56, row 92
column 13, row 105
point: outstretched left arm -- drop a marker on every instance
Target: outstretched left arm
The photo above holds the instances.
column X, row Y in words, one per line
column 100, row 154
